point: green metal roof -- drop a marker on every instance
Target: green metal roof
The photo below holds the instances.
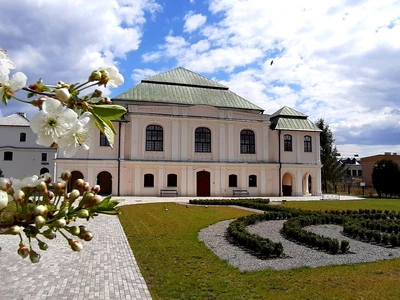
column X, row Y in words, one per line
column 184, row 76
column 296, row 124
column 183, row 87
column 288, row 111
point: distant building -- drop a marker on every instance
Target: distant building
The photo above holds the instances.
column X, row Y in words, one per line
column 354, row 169
column 20, row 156
column 185, row 133
column 368, row 164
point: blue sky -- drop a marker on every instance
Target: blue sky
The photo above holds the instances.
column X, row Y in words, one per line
column 337, row 60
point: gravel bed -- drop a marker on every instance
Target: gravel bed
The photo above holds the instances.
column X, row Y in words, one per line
column 214, row 237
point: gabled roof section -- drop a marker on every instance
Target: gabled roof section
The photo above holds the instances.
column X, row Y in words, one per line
column 184, row 77
column 17, row 119
column 290, row 119
column 293, row 124
column 180, row 86
column 287, row 111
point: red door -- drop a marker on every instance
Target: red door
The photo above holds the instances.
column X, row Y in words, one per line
column 203, row 184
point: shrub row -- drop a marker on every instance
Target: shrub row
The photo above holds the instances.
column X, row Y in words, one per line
column 262, row 246
column 293, row 229
column 355, row 230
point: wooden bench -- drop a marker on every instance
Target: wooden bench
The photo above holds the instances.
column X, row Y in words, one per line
column 169, row 193
column 330, row 197
column 240, row 193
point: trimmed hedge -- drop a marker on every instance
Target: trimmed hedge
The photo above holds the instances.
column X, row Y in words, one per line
column 368, row 225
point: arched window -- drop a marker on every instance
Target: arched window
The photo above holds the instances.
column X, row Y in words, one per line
column 8, row 155
column 252, row 180
column 287, row 142
column 247, row 141
column 148, row 180
column 22, row 137
column 103, row 140
column 202, row 139
column 43, row 171
column 307, row 144
column 172, row 180
column 232, row 180
column 154, row 138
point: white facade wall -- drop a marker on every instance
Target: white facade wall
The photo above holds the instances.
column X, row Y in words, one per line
column 179, row 156
column 26, row 155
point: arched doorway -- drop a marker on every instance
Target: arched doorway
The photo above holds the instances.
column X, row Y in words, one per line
column 43, row 171
column 307, row 184
column 104, row 179
column 75, row 175
column 287, row 185
column 203, row 183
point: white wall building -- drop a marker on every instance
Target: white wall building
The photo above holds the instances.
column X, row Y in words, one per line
column 187, row 133
column 20, row 156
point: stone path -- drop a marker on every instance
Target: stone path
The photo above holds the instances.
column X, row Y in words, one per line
column 104, row 269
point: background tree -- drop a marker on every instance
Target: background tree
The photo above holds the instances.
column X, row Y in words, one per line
column 386, row 178
column 332, row 171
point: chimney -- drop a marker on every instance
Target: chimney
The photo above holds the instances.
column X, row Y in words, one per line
column 388, row 153
column 394, row 153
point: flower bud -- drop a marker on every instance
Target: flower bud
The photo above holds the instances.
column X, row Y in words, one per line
column 83, row 213
column 63, row 212
column 96, row 189
column 75, row 245
column 19, row 196
column 41, row 210
column 87, row 236
column 34, row 257
column 5, row 183
column 42, row 245
column 73, row 196
column 78, row 184
column 74, row 230
column 59, row 223
column 95, row 76
column 63, row 95
column 86, row 186
column 95, row 200
column 49, row 234
column 42, row 186
column 15, row 229
column 82, row 228
column 86, row 200
column 40, row 221
column 66, row 175
column 23, row 251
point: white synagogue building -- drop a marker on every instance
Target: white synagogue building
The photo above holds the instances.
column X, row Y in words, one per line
column 186, row 135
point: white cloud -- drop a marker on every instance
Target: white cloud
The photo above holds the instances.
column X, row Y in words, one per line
column 338, row 61
column 62, row 41
column 140, row 74
column 194, row 21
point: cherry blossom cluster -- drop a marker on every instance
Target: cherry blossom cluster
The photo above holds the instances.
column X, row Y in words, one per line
column 37, row 208
column 65, row 119
column 42, row 213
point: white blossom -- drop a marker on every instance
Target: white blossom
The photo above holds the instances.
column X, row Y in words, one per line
column 30, row 181
column 17, row 82
column 53, row 122
column 63, row 94
column 80, row 136
column 3, row 199
column 115, row 78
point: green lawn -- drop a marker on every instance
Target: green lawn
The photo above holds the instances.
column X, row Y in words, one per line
column 176, row 265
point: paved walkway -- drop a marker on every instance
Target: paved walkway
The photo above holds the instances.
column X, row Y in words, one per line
column 105, row 269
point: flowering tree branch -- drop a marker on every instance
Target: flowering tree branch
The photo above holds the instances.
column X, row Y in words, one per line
column 67, row 120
